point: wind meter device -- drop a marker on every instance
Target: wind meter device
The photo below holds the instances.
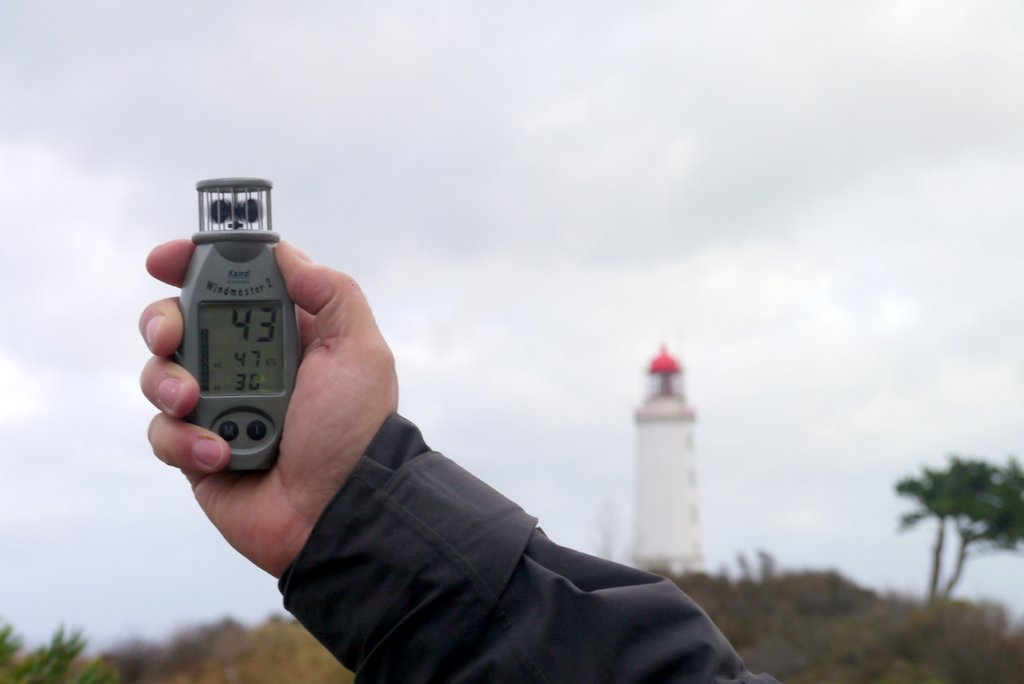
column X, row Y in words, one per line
column 241, row 339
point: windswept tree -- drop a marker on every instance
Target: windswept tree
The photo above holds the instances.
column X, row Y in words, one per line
column 983, row 503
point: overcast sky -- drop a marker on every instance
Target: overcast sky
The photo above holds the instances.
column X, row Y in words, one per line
column 817, row 205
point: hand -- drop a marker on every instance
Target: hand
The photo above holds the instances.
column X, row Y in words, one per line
column 345, row 389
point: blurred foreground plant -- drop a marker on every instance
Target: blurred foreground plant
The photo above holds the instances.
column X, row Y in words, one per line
column 59, row 662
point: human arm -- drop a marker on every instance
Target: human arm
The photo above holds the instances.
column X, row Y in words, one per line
column 418, row 572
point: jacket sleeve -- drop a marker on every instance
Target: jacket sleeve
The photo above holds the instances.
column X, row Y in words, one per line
column 419, row 572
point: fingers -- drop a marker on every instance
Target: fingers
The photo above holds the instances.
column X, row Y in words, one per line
column 169, row 387
column 332, row 297
column 161, row 326
column 186, row 446
column 169, row 261
column 166, row 384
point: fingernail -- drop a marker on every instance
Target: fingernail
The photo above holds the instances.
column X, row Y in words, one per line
column 208, row 453
column 151, row 328
column 299, row 253
column 168, row 392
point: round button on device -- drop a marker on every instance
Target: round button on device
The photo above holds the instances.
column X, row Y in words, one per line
column 228, row 430
column 256, row 430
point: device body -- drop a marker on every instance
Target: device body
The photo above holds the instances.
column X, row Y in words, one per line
column 240, row 337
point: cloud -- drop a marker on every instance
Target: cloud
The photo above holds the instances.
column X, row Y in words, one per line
column 23, row 398
column 816, row 206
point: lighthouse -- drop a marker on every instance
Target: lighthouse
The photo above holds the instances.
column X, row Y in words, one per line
column 666, row 535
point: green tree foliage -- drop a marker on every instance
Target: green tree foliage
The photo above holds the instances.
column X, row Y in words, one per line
column 59, row 662
column 984, row 504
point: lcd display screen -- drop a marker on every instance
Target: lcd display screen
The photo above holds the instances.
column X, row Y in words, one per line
column 241, row 348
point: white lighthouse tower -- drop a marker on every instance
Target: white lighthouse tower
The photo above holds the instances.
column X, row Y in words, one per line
column 666, row 476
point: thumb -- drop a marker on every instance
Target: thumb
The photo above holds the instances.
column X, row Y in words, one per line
column 334, row 298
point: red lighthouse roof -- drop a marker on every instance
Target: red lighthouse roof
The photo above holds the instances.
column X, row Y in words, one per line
column 665, row 364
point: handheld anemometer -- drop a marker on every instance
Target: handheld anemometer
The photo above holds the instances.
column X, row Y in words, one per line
column 241, row 337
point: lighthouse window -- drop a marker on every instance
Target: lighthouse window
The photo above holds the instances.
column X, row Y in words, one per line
column 662, row 385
